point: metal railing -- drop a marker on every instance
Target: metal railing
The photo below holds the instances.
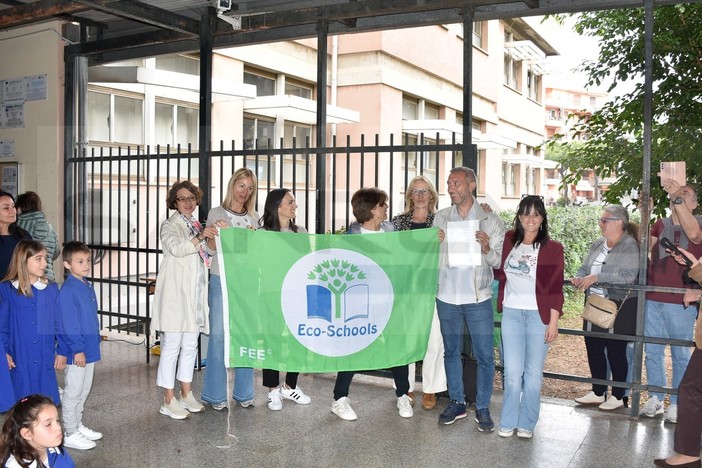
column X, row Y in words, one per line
column 116, row 203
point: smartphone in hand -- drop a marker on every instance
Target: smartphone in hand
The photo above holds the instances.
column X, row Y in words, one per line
column 673, row 170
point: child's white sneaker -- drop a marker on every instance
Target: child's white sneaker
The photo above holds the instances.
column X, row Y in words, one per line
column 89, row 433
column 78, row 441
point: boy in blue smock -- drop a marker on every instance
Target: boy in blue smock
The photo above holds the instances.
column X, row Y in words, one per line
column 79, row 341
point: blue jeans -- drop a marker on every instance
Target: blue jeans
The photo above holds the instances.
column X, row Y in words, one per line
column 214, row 389
column 478, row 317
column 665, row 320
column 524, row 353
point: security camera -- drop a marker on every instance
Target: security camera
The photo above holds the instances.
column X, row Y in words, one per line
column 222, row 5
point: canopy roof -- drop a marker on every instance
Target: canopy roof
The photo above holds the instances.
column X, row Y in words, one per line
column 111, row 30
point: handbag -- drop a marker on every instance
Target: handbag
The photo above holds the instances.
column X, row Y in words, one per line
column 601, row 311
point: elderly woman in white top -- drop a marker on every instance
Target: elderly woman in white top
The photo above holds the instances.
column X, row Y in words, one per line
column 180, row 301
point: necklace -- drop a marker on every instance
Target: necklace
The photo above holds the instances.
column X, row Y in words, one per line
column 244, row 213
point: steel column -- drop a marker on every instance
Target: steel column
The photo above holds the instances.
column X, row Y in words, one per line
column 470, row 150
column 207, row 27
column 646, row 189
column 321, row 137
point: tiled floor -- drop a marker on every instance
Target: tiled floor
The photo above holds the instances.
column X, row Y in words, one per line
column 125, row 400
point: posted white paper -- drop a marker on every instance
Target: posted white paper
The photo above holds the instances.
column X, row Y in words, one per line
column 463, row 249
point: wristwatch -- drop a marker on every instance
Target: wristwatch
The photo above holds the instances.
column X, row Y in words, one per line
column 678, row 201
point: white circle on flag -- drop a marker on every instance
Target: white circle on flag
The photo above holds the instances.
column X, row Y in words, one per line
column 336, row 302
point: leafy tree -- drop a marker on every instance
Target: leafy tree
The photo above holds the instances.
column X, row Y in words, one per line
column 337, row 274
column 614, row 133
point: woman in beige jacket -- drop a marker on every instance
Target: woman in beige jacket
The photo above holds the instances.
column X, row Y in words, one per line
column 180, row 300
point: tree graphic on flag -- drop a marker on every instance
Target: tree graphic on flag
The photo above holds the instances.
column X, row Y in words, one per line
column 337, row 274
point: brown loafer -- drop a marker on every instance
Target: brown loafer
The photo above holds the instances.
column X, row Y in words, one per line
column 411, row 397
column 428, row 401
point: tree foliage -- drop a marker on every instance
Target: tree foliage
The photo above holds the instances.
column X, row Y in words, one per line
column 614, row 134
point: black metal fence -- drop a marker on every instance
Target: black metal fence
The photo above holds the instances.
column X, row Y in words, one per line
column 116, row 201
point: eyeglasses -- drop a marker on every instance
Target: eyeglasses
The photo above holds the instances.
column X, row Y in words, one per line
column 604, row 220
column 526, row 195
column 420, row 192
column 184, row 199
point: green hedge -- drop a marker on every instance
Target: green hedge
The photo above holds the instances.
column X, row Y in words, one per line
column 576, row 228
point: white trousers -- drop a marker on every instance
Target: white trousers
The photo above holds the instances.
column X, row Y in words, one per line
column 177, row 350
column 433, row 372
column 77, row 385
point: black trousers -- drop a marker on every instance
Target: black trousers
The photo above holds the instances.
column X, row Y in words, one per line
column 271, row 378
column 689, row 427
column 400, row 374
column 597, row 359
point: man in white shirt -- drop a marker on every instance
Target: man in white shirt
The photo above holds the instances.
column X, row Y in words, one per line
column 465, row 296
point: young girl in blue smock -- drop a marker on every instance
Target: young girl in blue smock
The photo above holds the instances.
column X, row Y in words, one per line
column 29, row 322
column 32, row 436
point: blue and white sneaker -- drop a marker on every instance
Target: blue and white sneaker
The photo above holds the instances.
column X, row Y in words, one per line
column 453, row 411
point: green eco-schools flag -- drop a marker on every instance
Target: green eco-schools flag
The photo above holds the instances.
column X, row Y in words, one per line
column 323, row 303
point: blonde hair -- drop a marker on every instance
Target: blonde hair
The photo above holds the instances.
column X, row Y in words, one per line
column 18, row 265
column 241, row 173
column 433, row 195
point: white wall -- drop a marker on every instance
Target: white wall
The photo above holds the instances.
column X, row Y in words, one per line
column 38, row 50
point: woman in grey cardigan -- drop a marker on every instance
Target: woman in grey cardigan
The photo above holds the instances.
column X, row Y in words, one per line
column 614, row 259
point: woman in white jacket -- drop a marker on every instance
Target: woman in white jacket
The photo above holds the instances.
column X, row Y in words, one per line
column 180, row 301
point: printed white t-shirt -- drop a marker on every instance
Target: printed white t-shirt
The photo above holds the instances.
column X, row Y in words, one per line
column 520, row 270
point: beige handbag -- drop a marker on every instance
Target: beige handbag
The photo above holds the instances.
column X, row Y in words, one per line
column 600, row 311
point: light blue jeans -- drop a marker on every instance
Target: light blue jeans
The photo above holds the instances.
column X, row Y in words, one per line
column 665, row 320
column 214, row 388
column 480, row 323
column 524, row 354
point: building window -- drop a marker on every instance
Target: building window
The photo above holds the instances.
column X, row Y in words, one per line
column 410, row 108
column 299, row 171
column 115, row 119
column 509, row 178
column 259, row 134
column 431, row 112
column 292, row 89
column 478, row 34
column 533, row 85
column 176, row 125
column 511, row 66
column 179, row 63
column 265, row 85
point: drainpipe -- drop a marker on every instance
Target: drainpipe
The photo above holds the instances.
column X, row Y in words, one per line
column 334, row 76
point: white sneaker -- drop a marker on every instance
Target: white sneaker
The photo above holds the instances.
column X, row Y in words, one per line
column 404, row 405
column 505, row 432
column 671, row 415
column 173, row 409
column 342, row 408
column 652, row 407
column 275, row 402
column 219, row 406
column 612, row 403
column 78, row 441
column 524, row 434
column 591, row 399
column 247, row 404
column 89, row 433
column 295, row 394
column 191, row 404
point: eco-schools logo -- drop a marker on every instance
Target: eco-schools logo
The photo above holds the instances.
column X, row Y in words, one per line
column 336, row 302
